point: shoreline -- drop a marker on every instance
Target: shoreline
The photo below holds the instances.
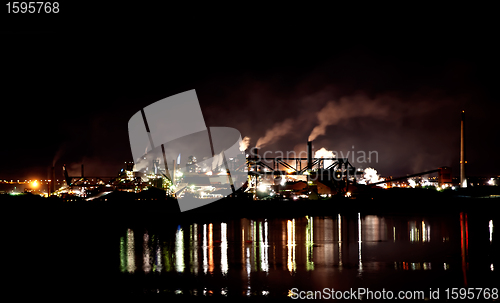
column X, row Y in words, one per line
column 156, row 210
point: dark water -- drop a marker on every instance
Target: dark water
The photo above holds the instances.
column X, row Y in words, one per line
column 73, row 249
column 267, row 258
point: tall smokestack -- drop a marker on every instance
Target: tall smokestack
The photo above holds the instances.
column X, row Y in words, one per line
column 83, row 175
column 255, row 151
column 255, row 154
column 53, row 179
column 463, row 180
column 66, row 177
column 309, row 155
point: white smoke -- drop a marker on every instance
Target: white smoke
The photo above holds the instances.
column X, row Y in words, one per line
column 245, row 142
column 278, row 131
column 371, row 176
column 324, row 153
column 332, row 113
column 347, row 107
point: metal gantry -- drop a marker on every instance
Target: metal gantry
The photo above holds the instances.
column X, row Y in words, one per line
column 337, row 172
column 272, row 165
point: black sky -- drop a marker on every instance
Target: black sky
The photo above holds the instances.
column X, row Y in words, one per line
column 68, row 93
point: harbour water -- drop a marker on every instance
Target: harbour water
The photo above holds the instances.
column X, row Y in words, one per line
column 277, row 257
column 71, row 249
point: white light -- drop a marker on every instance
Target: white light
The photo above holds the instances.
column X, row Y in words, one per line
column 491, row 229
column 262, row 187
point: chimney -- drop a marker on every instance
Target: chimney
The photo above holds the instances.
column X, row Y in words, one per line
column 53, row 180
column 66, row 177
column 463, row 180
column 309, row 155
column 254, row 153
column 83, row 175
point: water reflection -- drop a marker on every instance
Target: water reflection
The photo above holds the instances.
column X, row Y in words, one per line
column 263, row 247
column 290, row 235
column 127, row 252
column 223, row 249
column 210, row 248
column 339, row 221
column 490, row 228
column 464, row 244
column 324, row 242
column 309, row 243
column 179, row 250
column 168, row 256
column 157, row 267
column 241, row 255
column 123, row 255
column 490, row 225
column 360, row 263
column 146, row 266
column 420, row 231
column 414, row 266
column 248, row 270
column 193, row 247
column 130, row 251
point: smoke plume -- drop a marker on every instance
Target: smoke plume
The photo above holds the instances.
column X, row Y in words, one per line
column 346, row 107
column 332, row 113
column 371, row 176
column 324, row 153
column 245, row 142
column 276, row 132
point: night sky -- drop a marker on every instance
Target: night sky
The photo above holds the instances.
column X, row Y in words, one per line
column 67, row 94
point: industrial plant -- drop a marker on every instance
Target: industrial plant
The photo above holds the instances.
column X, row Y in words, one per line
column 318, row 174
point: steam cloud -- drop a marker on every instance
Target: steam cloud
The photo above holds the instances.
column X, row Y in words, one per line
column 245, row 142
column 346, row 107
column 371, row 176
column 332, row 113
column 278, row 131
column 393, row 109
column 324, row 153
